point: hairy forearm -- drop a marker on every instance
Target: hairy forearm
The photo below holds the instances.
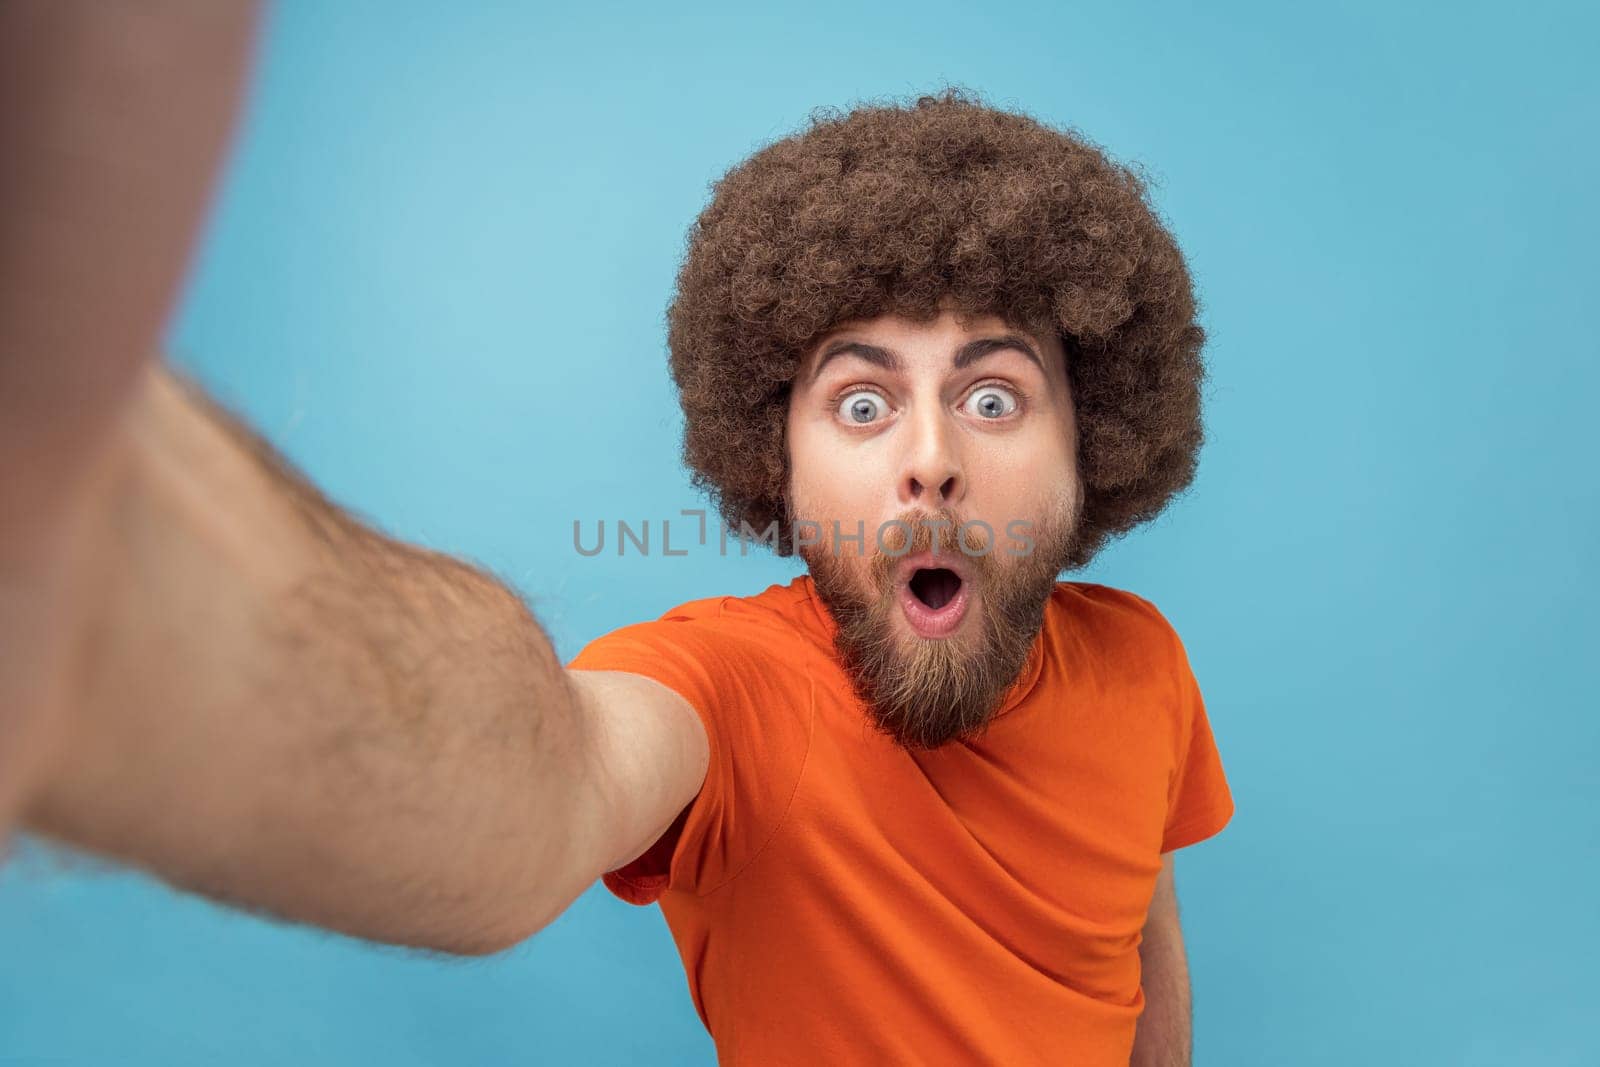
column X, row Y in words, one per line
column 1163, row 1037
column 285, row 710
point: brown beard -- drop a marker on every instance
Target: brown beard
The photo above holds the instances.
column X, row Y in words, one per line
column 942, row 689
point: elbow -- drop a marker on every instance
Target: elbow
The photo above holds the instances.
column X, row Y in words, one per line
column 480, row 944
column 482, row 948
column 493, row 938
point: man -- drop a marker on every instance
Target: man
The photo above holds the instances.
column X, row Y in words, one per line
column 943, row 353
column 916, row 806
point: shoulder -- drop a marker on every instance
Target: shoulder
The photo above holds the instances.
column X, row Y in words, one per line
column 1116, row 621
column 722, row 633
column 774, row 608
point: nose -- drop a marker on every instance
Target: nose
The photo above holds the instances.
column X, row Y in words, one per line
column 931, row 473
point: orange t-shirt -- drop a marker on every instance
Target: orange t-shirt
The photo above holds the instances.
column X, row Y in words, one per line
column 837, row 899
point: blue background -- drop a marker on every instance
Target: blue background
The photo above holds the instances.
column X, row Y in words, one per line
column 436, row 279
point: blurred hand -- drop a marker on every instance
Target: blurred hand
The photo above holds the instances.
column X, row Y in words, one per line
column 113, row 121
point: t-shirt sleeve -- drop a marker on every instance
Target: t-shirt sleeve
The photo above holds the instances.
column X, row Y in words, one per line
column 756, row 717
column 1199, row 803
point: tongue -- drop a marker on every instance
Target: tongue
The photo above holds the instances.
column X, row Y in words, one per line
column 935, row 586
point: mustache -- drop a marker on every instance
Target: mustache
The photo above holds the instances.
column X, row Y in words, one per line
column 940, row 533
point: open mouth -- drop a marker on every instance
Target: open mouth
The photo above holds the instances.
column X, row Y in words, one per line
column 934, row 600
column 935, row 586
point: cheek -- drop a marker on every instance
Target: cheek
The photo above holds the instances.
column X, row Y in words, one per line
column 827, row 478
column 1024, row 480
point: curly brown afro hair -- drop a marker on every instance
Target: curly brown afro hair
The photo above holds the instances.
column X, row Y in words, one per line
column 900, row 208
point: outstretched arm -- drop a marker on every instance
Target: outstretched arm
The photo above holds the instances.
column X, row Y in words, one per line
column 284, row 709
column 207, row 669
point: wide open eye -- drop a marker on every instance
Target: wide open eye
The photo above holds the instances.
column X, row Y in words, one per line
column 991, row 402
column 862, row 407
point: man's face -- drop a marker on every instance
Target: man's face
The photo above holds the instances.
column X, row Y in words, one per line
column 952, row 446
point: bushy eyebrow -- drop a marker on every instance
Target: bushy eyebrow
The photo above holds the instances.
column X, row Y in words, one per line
column 966, row 355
